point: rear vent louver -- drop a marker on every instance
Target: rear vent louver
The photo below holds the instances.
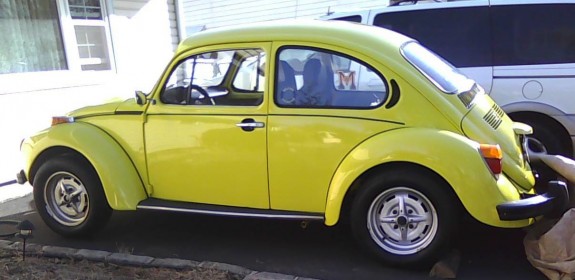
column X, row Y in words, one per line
column 494, row 117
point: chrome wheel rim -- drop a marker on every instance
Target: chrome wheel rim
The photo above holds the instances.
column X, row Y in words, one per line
column 66, row 199
column 402, row 221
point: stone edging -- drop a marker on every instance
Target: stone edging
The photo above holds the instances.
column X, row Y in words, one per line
column 141, row 261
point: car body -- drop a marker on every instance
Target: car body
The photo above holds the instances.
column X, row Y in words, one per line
column 269, row 120
column 520, row 51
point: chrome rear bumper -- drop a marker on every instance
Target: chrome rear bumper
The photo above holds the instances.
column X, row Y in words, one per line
column 554, row 202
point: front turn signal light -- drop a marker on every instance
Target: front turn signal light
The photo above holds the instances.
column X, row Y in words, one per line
column 62, row 119
column 493, row 156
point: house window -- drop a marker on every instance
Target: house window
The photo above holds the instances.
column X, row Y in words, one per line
column 31, row 38
column 50, row 35
column 90, row 30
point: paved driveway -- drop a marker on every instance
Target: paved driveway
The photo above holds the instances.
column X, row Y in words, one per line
column 280, row 246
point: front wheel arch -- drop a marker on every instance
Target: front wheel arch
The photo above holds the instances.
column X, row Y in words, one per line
column 53, row 152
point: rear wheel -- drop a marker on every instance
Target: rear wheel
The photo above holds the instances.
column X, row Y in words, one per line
column 69, row 197
column 404, row 217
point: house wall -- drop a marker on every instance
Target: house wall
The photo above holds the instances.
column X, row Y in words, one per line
column 144, row 34
column 143, row 37
column 215, row 13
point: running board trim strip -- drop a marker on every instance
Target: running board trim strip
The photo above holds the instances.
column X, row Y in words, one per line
column 154, row 204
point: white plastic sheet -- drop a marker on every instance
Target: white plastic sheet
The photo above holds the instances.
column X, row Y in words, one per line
column 550, row 244
column 550, row 247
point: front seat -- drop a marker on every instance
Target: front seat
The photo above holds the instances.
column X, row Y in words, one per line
column 286, row 85
column 316, row 88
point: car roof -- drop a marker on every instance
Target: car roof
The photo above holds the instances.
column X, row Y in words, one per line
column 354, row 36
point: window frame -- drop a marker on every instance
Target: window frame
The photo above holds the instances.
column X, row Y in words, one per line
column 228, row 77
column 67, row 26
column 364, row 64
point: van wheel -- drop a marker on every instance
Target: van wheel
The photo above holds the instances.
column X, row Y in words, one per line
column 547, row 135
column 547, row 138
column 404, row 218
column 69, row 197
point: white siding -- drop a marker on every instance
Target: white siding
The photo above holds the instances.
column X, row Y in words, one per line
column 215, row 13
column 144, row 36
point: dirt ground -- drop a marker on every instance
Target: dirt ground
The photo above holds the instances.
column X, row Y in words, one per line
column 12, row 267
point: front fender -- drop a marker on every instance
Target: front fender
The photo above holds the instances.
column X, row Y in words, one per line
column 121, row 182
column 453, row 157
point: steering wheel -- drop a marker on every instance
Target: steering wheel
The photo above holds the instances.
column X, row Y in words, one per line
column 203, row 92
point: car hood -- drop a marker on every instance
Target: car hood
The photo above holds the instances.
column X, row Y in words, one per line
column 487, row 123
column 112, row 107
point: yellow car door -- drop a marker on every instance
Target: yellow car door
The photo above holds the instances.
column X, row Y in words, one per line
column 205, row 135
column 322, row 110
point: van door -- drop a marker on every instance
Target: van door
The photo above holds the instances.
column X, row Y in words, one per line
column 459, row 34
column 534, row 68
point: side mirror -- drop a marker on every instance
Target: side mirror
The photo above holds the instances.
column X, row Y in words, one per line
column 140, row 98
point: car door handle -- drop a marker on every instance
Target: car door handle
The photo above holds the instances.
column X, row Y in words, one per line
column 254, row 125
column 250, row 125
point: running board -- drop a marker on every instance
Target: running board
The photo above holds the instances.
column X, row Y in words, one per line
column 190, row 207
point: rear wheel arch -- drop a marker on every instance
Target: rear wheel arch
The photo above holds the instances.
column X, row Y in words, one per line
column 547, row 126
column 374, row 171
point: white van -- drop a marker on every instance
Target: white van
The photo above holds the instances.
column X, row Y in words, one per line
column 522, row 52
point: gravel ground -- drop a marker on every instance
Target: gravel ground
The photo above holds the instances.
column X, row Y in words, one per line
column 12, row 267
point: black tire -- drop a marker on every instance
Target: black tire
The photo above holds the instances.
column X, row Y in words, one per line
column 423, row 194
column 69, row 197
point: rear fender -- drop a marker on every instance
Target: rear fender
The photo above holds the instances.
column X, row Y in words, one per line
column 451, row 156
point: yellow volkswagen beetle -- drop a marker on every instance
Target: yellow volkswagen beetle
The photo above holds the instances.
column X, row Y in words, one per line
column 303, row 120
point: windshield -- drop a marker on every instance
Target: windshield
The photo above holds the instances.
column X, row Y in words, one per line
column 440, row 72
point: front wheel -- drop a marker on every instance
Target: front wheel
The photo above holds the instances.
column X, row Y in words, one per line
column 404, row 218
column 69, row 197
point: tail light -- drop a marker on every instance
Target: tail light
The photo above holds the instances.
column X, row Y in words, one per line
column 493, row 156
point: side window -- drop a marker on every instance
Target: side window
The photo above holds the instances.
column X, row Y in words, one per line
column 250, row 76
column 533, row 34
column 319, row 78
column 460, row 35
column 227, row 77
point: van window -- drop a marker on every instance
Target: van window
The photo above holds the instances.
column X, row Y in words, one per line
column 446, row 77
column 350, row 18
column 533, row 34
column 460, row 35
